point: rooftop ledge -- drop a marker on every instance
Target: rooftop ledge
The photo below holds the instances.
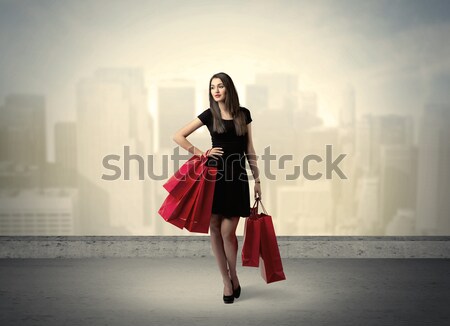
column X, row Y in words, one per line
column 199, row 246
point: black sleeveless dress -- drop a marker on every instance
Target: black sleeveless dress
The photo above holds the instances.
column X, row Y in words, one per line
column 231, row 190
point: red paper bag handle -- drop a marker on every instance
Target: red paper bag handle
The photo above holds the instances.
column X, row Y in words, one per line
column 257, row 200
column 205, row 154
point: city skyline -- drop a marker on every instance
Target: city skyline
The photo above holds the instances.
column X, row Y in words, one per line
column 394, row 61
column 200, row 103
column 80, row 81
column 379, row 194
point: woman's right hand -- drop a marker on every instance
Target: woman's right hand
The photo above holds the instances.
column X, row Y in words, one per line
column 215, row 151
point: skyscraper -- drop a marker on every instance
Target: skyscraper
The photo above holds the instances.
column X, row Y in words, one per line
column 257, row 98
column 433, row 188
column 176, row 107
column 347, row 113
column 113, row 121
column 398, row 177
column 282, row 90
column 374, row 131
column 22, row 127
column 66, row 144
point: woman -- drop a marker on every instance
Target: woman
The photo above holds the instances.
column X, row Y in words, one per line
column 229, row 125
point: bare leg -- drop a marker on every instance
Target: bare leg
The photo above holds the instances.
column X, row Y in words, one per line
column 219, row 252
column 230, row 243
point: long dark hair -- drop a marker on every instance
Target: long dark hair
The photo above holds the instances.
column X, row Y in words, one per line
column 231, row 103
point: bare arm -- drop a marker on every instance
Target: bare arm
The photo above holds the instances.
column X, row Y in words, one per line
column 180, row 136
column 251, row 155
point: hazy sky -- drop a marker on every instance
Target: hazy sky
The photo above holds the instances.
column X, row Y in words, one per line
column 390, row 51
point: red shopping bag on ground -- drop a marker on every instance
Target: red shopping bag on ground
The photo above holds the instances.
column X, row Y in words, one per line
column 252, row 238
column 200, row 216
column 271, row 266
column 260, row 243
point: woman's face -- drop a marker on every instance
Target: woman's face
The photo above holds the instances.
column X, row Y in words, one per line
column 218, row 90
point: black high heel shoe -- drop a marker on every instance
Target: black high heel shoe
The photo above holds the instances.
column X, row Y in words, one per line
column 229, row 298
column 236, row 292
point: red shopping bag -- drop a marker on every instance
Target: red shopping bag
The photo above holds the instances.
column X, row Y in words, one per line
column 187, row 174
column 252, row 238
column 271, row 266
column 260, row 243
column 176, row 211
column 189, row 201
column 200, row 216
column 180, row 185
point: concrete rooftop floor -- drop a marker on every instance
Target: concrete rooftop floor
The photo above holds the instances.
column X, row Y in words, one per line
column 188, row 291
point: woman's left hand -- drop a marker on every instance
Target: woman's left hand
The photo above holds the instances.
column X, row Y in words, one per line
column 257, row 190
